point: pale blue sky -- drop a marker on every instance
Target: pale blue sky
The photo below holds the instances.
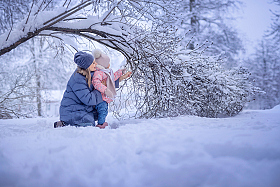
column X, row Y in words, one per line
column 254, row 19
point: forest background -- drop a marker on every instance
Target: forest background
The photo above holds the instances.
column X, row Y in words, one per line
column 187, row 57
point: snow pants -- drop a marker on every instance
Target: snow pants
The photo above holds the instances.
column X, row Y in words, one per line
column 102, row 110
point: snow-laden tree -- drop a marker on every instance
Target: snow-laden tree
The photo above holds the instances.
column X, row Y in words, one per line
column 28, row 72
column 265, row 66
column 274, row 31
column 111, row 21
column 208, row 20
column 106, row 22
column 167, row 80
column 265, row 69
column 16, row 93
column 177, row 81
column 11, row 11
column 49, row 70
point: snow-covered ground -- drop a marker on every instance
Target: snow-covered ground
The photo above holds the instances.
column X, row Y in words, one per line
column 185, row 151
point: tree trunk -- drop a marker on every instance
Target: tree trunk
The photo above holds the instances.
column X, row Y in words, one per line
column 38, row 95
column 36, row 62
column 194, row 22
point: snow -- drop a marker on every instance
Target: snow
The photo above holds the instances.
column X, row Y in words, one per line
column 184, row 151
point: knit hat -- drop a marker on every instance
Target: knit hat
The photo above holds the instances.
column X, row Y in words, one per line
column 83, row 60
column 101, row 58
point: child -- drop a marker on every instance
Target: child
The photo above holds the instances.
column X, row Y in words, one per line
column 103, row 74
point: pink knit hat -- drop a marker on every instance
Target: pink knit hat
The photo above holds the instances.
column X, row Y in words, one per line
column 101, row 58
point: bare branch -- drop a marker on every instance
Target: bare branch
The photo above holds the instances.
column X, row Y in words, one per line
column 111, row 11
column 28, row 15
column 68, row 11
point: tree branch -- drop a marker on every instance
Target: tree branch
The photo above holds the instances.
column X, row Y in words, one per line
column 48, row 24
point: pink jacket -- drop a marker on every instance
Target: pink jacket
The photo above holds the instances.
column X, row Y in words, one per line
column 98, row 77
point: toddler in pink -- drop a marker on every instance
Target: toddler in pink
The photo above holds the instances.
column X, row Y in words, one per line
column 103, row 73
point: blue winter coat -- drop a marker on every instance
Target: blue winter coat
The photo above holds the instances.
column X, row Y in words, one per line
column 78, row 103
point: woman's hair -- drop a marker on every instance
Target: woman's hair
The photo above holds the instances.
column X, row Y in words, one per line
column 85, row 72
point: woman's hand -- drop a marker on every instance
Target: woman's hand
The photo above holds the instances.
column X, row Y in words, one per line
column 125, row 76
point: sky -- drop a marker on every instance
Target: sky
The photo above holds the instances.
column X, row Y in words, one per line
column 253, row 20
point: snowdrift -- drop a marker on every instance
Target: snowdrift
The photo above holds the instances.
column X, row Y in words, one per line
column 184, row 151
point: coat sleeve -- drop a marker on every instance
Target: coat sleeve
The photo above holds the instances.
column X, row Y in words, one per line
column 82, row 91
column 97, row 81
column 117, row 74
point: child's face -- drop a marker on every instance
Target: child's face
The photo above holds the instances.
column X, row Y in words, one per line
column 92, row 67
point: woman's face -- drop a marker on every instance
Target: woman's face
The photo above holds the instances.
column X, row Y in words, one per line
column 92, row 67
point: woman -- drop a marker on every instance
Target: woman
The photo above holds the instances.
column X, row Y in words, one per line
column 78, row 103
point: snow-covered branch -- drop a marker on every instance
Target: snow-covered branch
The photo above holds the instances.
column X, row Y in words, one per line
column 109, row 27
column 35, row 24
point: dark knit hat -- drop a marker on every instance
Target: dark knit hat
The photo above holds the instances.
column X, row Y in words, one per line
column 83, row 60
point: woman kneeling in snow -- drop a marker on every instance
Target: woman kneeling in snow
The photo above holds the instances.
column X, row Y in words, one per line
column 77, row 107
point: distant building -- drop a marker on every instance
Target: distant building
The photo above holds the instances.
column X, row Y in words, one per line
column 51, row 102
